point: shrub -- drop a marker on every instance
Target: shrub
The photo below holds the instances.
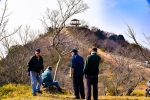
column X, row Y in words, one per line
column 14, row 90
column 102, row 48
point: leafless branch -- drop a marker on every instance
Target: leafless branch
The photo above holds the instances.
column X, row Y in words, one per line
column 56, row 19
column 131, row 34
column 4, row 21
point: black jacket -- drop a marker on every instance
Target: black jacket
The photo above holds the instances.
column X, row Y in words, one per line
column 35, row 64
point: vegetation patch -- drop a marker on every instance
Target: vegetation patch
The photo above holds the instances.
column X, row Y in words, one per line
column 14, row 90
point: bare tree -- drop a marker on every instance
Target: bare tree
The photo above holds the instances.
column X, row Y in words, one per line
column 24, row 35
column 16, row 62
column 56, row 19
column 2, row 55
column 27, row 35
column 7, row 43
column 4, row 34
column 144, row 52
column 125, row 72
column 131, row 34
column 4, row 19
column 84, row 23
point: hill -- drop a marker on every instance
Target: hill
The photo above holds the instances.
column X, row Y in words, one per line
column 121, row 69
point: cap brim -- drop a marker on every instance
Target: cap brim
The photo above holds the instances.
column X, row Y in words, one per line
column 70, row 51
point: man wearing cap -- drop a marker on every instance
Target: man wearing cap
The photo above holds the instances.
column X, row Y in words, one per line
column 48, row 79
column 35, row 67
column 91, row 70
column 76, row 72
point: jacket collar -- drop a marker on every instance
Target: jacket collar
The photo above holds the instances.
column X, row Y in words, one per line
column 93, row 53
column 36, row 57
column 47, row 70
column 75, row 54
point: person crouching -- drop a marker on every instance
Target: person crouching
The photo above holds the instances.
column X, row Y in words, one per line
column 47, row 79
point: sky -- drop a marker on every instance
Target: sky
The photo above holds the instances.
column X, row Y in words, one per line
column 108, row 15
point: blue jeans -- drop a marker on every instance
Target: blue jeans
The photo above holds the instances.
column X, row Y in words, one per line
column 52, row 83
column 36, row 81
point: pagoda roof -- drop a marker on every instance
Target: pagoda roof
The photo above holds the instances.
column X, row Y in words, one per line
column 74, row 20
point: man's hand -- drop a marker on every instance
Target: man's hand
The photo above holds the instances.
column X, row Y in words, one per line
column 70, row 75
column 71, row 72
column 28, row 73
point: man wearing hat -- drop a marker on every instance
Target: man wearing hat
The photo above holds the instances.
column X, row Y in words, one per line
column 48, row 79
column 35, row 66
column 76, row 72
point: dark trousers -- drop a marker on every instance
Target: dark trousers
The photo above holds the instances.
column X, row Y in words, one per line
column 78, row 86
column 92, row 80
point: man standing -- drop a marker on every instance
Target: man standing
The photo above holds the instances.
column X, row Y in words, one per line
column 91, row 70
column 35, row 66
column 48, row 79
column 77, row 65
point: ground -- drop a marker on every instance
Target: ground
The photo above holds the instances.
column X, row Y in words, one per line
column 23, row 92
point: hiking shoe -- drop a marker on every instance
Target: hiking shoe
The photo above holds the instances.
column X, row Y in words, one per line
column 60, row 90
column 39, row 92
column 34, row 94
column 44, row 86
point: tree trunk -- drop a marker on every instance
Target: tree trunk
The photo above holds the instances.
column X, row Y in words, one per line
column 131, row 89
column 58, row 63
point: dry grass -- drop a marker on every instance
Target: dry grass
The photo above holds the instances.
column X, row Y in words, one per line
column 23, row 92
column 122, row 98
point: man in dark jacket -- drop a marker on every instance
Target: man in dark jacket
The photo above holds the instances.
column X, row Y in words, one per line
column 77, row 65
column 91, row 70
column 35, row 66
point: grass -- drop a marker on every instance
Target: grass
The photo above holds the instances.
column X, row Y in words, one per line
column 23, row 92
column 138, row 93
column 12, row 90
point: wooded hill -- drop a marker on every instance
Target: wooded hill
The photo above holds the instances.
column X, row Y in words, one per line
column 121, row 68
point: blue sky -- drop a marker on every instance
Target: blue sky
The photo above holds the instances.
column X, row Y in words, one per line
column 134, row 12
column 108, row 15
column 148, row 1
